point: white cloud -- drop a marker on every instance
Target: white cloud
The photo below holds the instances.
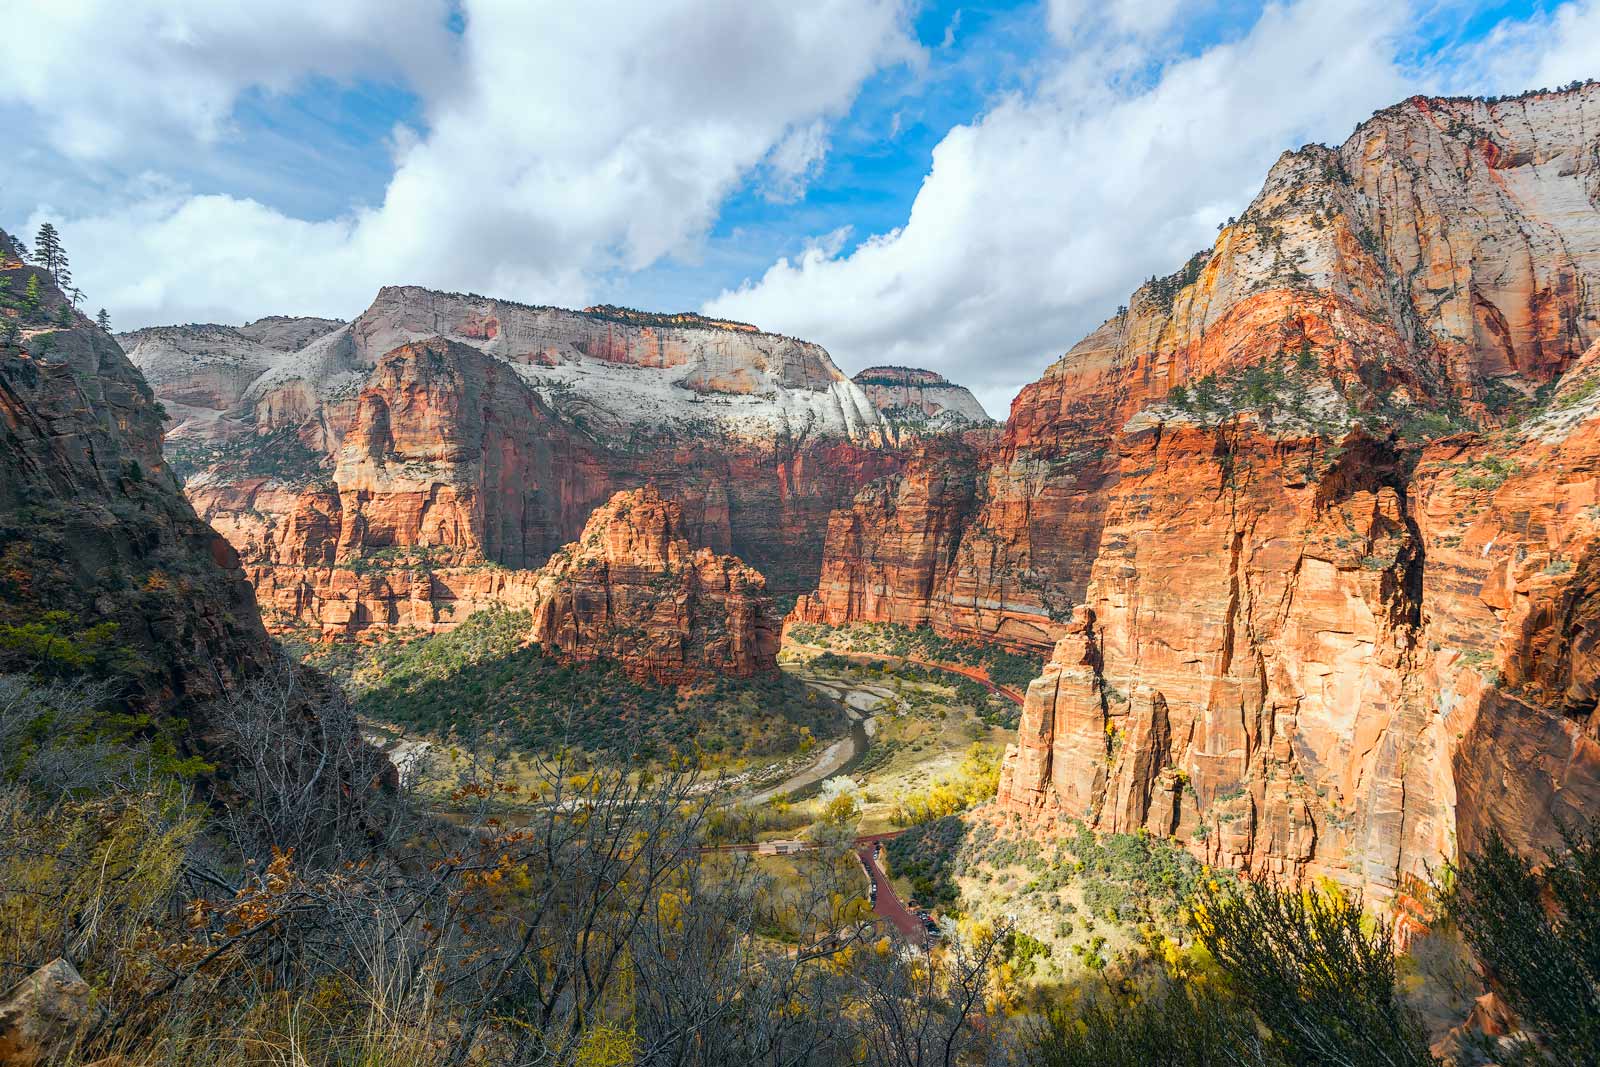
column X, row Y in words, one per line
column 1040, row 217
column 1072, row 20
column 109, row 76
column 1542, row 52
column 796, row 159
column 570, row 141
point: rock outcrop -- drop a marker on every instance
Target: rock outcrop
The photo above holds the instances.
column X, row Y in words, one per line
column 1311, row 523
column 921, row 398
column 633, row 589
column 43, row 1015
column 1325, row 502
column 369, row 483
column 107, row 576
column 94, row 531
column 1433, row 271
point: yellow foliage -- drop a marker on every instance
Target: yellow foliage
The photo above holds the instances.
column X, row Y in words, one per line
column 607, row 1045
column 975, row 781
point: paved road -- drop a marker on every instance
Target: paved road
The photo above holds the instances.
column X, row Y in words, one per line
column 977, row 674
column 888, row 904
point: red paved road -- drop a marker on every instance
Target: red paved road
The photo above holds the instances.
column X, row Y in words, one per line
column 888, row 905
column 977, row 674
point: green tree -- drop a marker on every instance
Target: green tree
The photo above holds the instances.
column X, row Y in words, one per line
column 47, row 251
column 1317, row 973
column 103, row 320
column 1537, row 933
column 30, row 296
column 64, row 316
column 10, row 331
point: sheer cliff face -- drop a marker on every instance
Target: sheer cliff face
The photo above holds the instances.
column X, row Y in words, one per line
column 383, row 472
column 93, row 526
column 1336, row 608
column 1440, row 263
column 635, row 590
column 1314, row 519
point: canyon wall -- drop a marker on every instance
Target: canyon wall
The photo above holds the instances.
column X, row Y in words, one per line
column 1330, row 530
column 387, row 471
column 106, row 573
column 1434, row 272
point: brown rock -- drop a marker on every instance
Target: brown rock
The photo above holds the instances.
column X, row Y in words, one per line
column 43, row 1014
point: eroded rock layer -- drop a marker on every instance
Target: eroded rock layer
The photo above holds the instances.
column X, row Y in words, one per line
column 1326, row 511
column 386, row 472
column 1431, row 273
column 913, row 396
column 635, row 590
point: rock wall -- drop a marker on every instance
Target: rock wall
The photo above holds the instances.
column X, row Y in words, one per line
column 382, row 474
column 1434, row 271
column 1329, row 513
column 95, row 536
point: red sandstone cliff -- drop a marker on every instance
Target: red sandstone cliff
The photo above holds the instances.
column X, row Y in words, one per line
column 633, row 589
column 385, row 473
column 1325, row 605
column 1434, row 269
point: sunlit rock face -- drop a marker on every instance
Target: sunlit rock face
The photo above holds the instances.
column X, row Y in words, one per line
column 1437, row 265
column 1328, row 513
column 633, row 589
column 385, row 473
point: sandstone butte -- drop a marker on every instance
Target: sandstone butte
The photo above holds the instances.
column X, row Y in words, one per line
column 1310, row 527
column 633, row 589
column 386, row 473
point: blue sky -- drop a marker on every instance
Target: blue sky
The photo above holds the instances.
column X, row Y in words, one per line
column 963, row 184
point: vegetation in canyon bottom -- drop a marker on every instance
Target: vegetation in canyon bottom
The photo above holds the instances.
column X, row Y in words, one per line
column 307, row 908
column 482, row 681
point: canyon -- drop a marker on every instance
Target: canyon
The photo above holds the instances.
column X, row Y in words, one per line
column 1308, row 529
column 376, row 475
column 1310, row 526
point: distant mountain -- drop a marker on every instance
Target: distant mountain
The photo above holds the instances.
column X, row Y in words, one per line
column 911, row 395
column 323, row 454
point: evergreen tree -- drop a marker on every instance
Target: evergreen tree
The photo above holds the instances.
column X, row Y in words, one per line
column 103, row 320
column 64, row 315
column 49, row 254
column 22, row 249
column 30, row 296
column 10, row 332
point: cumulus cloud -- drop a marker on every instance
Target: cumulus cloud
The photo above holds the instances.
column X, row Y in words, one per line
column 1036, row 220
column 562, row 142
column 109, row 76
